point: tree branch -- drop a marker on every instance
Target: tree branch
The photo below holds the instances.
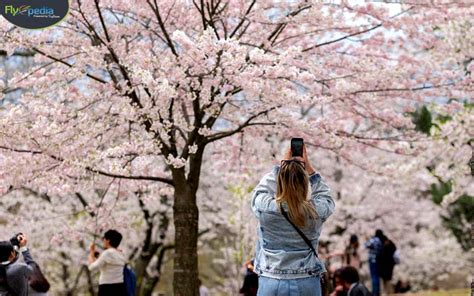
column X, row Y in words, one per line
column 93, row 170
column 156, row 10
column 67, row 64
column 402, row 89
column 342, row 38
column 243, row 19
column 248, row 122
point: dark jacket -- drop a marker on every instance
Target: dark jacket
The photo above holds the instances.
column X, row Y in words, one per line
column 17, row 276
column 359, row 290
column 385, row 261
column 250, row 285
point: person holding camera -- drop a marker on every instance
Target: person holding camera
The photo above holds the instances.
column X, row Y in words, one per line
column 111, row 265
column 14, row 275
column 290, row 224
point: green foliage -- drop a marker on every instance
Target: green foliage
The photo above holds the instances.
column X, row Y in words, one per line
column 423, row 120
column 443, row 118
column 438, row 191
column 459, row 217
column 468, row 105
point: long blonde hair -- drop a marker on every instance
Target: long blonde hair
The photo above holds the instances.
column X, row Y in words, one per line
column 292, row 188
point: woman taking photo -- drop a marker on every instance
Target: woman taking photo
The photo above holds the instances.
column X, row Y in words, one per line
column 286, row 261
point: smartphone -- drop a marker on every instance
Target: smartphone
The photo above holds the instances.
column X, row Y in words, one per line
column 297, row 147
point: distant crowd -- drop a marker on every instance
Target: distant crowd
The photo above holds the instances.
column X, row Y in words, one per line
column 344, row 280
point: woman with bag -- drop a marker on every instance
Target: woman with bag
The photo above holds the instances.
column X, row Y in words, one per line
column 111, row 264
column 290, row 224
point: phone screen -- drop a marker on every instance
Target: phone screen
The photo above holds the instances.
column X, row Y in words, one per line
column 297, row 147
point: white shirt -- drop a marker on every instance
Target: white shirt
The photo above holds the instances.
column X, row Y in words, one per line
column 110, row 263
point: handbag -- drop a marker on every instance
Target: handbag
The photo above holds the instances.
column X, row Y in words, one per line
column 323, row 277
column 37, row 280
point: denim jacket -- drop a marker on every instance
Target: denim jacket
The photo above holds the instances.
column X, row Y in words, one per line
column 280, row 251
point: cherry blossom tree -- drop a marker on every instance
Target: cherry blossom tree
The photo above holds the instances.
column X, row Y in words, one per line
column 147, row 93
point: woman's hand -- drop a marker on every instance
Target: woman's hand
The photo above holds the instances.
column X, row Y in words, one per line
column 91, row 258
column 309, row 168
column 287, row 155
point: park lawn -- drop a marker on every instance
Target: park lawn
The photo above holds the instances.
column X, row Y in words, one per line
column 456, row 292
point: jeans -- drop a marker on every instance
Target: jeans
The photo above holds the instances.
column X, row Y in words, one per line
column 309, row 286
column 374, row 275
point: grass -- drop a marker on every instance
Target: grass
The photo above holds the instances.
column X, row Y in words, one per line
column 456, row 292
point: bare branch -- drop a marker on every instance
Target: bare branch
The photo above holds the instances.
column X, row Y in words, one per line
column 342, row 38
column 402, row 89
column 243, row 19
column 67, row 64
column 156, row 10
column 247, row 123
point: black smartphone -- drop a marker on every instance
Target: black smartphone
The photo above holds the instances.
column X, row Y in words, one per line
column 297, row 147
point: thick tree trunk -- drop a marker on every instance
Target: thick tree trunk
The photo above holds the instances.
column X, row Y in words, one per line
column 186, row 223
column 186, row 217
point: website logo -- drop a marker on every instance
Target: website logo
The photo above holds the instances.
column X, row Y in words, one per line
column 34, row 14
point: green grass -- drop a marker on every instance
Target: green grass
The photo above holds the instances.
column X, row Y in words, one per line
column 457, row 292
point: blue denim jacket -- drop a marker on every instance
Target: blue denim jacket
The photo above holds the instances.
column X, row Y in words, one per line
column 280, row 251
column 375, row 246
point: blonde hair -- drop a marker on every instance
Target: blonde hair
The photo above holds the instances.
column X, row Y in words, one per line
column 292, row 188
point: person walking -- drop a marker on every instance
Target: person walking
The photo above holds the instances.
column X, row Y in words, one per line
column 14, row 274
column 111, row 265
column 286, row 260
column 374, row 245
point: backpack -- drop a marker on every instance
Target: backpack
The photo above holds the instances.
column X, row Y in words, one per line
column 130, row 280
column 396, row 257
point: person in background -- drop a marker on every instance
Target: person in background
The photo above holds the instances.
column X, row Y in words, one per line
column 402, row 286
column 351, row 253
column 338, row 284
column 203, row 291
column 349, row 256
column 351, row 282
column 374, row 245
column 14, row 274
column 110, row 263
column 386, row 264
column 250, row 285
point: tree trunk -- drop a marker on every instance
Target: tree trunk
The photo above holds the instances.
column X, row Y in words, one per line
column 186, row 217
